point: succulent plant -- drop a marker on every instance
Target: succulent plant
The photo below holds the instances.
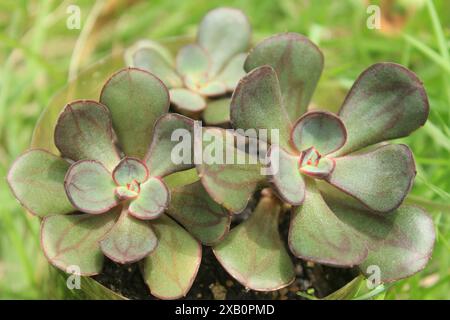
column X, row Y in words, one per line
column 344, row 184
column 106, row 194
column 205, row 72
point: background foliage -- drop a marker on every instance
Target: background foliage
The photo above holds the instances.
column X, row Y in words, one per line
column 38, row 54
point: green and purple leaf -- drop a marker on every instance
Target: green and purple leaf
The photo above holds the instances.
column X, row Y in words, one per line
column 380, row 179
column 257, row 104
column 316, row 234
column 187, row 101
column 319, row 129
column 223, row 32
column 387, row 101
column 285, row 175
column 170, row 131
column 84, row 132
column 36, row 179
column 230, row 185
column 128, row 170
column 193, row 208
column 72, row 240
column 153, row 199
column 90, row 187
column 171, row 268
column 136, row 99
column 298, row 64
column 253, row 252
column 130, row 239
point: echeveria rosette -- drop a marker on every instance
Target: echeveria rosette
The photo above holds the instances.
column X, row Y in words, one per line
column 203, row 73
column 106, row 194
column 345, row 188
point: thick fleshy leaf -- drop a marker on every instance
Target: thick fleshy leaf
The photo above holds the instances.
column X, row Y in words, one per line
column 128, row 170
column 319, row 129
column 125, row 193
column 223, row 32
column 193, row 60
column 230, row 185
column 286, row 177
column 387, row 101
column 319, row 170
column 217, row 112
column 136, row 98
column 130, row 239
column 171, row 268
column 153, row 199
column 84, row 132
column 253, row 252
column 187, row 100
column 233, row 71
column 256, row 104
column 37, row 180
column 150, row 59
column 316, row 233
column 172, row 145
column 90, row 187
column 72, row 240
column 192, row 207
column 212, row 88
column 400, row 244
column 380, row 179
column 298, row 63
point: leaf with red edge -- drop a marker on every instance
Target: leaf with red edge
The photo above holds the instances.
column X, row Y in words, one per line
column 90, row 187
column 316, row 234
column 170, row 130
column 380, row 179
column 37, row 180
column 84, row 132
column 128, row 170
column 130, row 239
column 253, row 252
column 298, row 63
column 171, row 268
column 72, row 240
column 153, row 199
column 387, row 101
column 319, row 129
column 193, row 208
column 136, row 99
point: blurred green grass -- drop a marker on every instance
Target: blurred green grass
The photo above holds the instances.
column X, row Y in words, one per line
column 38, row 53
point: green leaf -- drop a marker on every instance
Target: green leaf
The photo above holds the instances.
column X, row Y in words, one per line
column 72, row 240
column 130, row 239
column 380, row 179
column 153, row 199
column 230, row 185
column 130, row 169
column 124, row 193
column 150, row 59
column 298, row 63
column 387, row 101
column 348, row 291
column 193, row 60
column 286, row 177
column 223, row 32
column 171, row 268
column 319, row 129
column 136, row 98
column 256, row 104
column 316, row 233
column 400, row 243
column 163, row 157
column 217, row 112
column 187, row 101
column 212, row 88
column 320, row 170
column 193, row 208
column 84, row 132
column 253, row 252
column 233, row 71
column 90, row 187
column 36, row 179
